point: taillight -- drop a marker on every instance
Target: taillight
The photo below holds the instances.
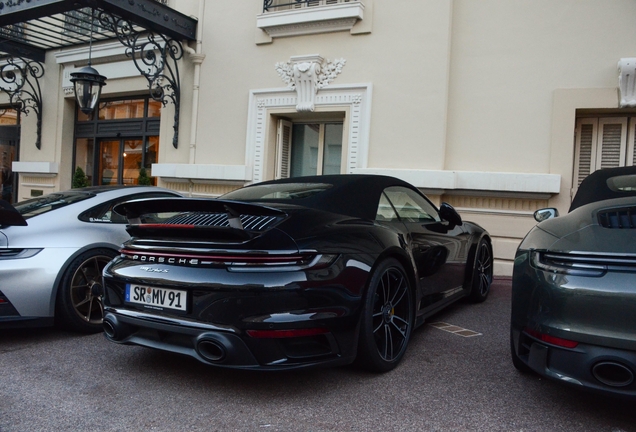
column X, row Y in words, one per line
column 235, row 262
column 565, row 343
column 18, row 253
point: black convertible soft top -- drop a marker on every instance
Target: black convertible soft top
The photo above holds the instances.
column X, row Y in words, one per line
column 607, row 183
column 355, row 195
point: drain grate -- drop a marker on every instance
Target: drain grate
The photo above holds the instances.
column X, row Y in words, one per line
column 460, row 331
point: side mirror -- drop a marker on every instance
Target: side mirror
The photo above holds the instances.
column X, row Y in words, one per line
column 545, row 214
column 448, row 213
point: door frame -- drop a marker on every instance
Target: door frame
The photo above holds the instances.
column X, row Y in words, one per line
column 12, row 133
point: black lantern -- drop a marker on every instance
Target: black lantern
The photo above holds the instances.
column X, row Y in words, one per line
column 87, row 82
column 88, row 85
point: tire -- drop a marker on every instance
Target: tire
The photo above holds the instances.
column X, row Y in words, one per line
column 516, row 361
column 79, row 296
column 387, row 318
column 482, row 273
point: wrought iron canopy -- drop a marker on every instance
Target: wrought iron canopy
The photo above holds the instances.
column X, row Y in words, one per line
column 28, row 28
column 151, row 31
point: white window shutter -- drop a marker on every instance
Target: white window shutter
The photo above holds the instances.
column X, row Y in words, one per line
column 283, row 148
column 612, row 146
column 631, row 141
column 585, row 159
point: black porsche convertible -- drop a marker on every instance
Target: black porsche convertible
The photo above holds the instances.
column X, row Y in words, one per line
column 292, row 273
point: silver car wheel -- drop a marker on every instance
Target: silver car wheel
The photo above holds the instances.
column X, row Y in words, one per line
column 79, row 299
column 86, row 289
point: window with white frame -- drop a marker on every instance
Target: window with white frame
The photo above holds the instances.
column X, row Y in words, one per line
column 309, row 148
column 603, row 142
column 282, row 18
column 277, row 5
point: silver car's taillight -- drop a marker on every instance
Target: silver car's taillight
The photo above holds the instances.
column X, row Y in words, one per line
column 18, row 253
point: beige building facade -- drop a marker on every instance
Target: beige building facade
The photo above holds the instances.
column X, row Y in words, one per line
column 497, row 107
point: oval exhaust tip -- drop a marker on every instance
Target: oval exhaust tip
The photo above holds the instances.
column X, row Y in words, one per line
column 211, row 350
column 613, row 374
column 109, row 329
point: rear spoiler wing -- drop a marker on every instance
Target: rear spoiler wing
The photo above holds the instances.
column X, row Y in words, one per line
column 235, row 211
column 9, row 216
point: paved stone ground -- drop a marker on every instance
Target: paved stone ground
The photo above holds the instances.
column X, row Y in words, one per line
column 56, row 381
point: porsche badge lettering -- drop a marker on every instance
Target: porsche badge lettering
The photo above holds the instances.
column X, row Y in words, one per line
column 165, row 260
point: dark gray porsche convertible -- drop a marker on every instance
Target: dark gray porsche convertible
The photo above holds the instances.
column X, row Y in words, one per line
column 292, row 273
column 574, row 289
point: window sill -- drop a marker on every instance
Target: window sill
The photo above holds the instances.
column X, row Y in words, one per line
column 196, row 172
column 527, row 185
column 324, row 19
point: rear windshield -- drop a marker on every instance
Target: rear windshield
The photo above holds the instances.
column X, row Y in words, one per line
column 624, row 183
column 36, row 206
column 278, row 191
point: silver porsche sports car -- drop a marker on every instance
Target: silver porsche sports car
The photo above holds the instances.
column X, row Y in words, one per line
column 52, row 252
column 574, row 289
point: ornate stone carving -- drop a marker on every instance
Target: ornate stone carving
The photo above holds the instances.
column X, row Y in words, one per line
column 627, row 82
column 307, row 74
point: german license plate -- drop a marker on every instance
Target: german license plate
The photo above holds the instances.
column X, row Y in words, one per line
column 156, row 298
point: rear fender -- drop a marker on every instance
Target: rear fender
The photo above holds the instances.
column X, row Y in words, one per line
column 406, row 261
column 60, row 274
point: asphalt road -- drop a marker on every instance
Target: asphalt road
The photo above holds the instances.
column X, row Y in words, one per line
column 56, row 381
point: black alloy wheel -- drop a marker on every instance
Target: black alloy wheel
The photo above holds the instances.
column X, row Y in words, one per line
column 482, row 272
column 79, row 298
column 387, row 318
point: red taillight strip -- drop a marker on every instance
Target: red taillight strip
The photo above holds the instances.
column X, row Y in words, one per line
column 221, row 258
column 552, row 339
column 282, row 334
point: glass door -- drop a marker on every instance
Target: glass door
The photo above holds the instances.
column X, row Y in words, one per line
column 121, row 161
column 132, row 159
column 109, row 162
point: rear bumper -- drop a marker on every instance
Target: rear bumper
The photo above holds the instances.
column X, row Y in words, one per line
column 226, row 346
column 601, row 369
column 596, row 312
column 247, row 320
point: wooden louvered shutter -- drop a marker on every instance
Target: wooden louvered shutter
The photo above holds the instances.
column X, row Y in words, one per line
column 612, row 142
column 283, row 148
